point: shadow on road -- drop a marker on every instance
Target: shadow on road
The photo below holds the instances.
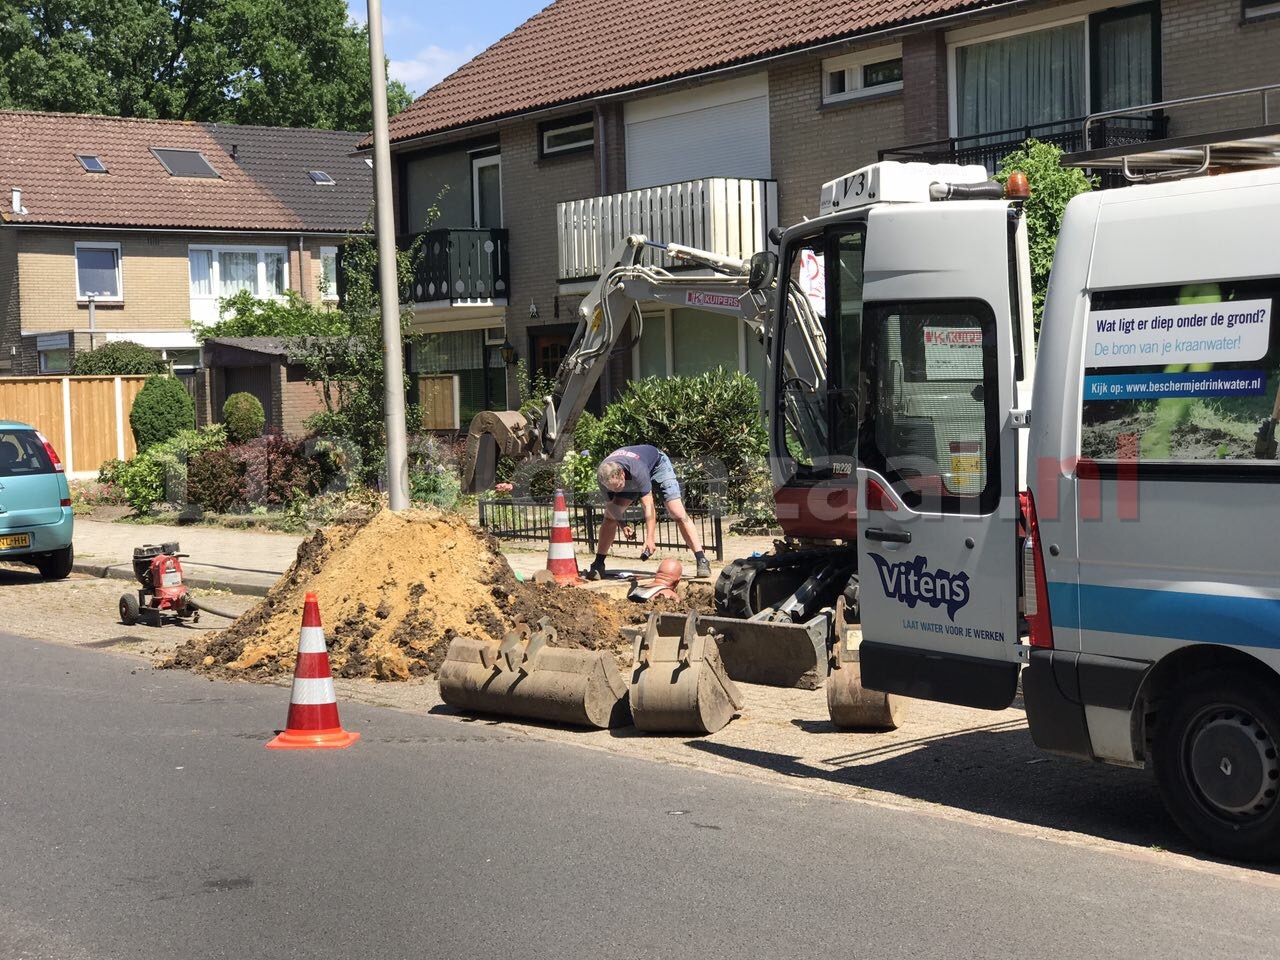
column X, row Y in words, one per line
column 994, row 770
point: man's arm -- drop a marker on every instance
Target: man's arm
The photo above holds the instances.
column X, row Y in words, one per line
column 650, row 523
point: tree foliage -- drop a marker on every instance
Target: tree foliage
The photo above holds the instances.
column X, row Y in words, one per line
column 120, row 358
column 243, row 315
column 270, row 62
column 1052, row 187
column 244, row 418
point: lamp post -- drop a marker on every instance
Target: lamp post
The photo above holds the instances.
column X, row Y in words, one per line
column 388, row 292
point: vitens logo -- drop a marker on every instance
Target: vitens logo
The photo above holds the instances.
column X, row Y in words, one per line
column 910, row 583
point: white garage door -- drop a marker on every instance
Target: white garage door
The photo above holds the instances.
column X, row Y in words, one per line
column 717, row 131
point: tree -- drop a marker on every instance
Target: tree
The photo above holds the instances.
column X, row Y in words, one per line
column 271, row 62
column 244, row 315
column 1052, row 186
column 120, row 358
column 161, row 410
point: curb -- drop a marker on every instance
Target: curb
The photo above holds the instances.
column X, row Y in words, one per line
column 197, row 582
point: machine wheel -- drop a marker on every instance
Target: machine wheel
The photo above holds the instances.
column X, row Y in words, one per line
column 1216, row 763
column 57, row 566
column 129, row 609
column 753, row 584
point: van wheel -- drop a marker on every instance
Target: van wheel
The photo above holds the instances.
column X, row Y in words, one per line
column 57, row 566
column 1216, row 763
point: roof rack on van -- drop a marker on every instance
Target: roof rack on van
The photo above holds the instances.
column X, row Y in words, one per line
column 1189, row 156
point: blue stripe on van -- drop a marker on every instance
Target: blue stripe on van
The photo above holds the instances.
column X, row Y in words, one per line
column 1198, row 617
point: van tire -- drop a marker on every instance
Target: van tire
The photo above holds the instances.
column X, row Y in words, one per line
column 1215, row 756
column 57, row 566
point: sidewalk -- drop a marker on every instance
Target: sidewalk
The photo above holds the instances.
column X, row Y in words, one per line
column 250, row 562
column 242, row 561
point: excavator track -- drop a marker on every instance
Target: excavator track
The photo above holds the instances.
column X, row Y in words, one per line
column 747, row 586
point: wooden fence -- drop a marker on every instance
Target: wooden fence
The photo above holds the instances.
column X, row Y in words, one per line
column 85, row 418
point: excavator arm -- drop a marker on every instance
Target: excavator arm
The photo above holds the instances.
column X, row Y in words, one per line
column 737, row 289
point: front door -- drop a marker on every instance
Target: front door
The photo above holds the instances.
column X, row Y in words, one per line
column 937, row 460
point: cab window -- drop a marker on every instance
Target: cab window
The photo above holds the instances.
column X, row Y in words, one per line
column 931, row 417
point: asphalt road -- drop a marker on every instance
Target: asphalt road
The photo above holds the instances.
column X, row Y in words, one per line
column 141, row 817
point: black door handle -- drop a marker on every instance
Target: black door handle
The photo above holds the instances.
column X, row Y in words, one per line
column 889, row 536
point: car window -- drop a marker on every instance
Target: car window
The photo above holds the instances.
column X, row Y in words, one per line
column 22, row 453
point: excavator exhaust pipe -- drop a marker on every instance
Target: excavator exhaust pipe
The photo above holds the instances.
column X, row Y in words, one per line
column 679, row 684
column 767, row 652
column 850, row 705
column 525, row 676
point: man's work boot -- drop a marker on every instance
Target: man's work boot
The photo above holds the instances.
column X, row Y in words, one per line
column 704, row 568
column 596, row 571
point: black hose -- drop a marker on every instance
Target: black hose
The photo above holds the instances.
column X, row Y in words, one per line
column 191, row 602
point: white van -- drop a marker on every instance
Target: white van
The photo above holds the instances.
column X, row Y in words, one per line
column 1114, row 528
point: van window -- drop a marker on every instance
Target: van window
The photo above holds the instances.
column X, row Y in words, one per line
column 928, row 427
column 1182, row 374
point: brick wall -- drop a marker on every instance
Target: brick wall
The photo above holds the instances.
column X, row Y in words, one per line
column 9, row 310
column 531, row 188
column 297, row 400
column 811, row 143
column 1208, row 49
column 924, row 87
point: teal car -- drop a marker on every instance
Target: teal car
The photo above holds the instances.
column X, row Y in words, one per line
column 35, row 502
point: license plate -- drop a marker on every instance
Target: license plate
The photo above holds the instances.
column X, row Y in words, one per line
column 15, row 540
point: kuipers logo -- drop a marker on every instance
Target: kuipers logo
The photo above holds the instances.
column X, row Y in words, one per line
column 910, row 583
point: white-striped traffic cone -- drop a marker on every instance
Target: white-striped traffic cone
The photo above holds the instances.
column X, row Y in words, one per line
column 313, row 706
column 560, row 559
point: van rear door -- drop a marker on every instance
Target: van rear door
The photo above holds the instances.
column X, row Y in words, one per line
column 937, row 456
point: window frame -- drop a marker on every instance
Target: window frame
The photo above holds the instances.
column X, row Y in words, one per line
column 330, row 294
column 114, row 247
column 215, row 270
column 159, row 154
column 853, row 66
column 1252, row 11
column 581, row 121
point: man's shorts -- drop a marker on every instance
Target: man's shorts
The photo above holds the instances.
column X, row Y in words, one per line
column 664, row 478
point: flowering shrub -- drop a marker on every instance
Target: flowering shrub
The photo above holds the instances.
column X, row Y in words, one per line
column 88, row 494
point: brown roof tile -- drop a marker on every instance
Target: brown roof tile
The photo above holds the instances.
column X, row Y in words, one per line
column 38, row 156
column 578, row 49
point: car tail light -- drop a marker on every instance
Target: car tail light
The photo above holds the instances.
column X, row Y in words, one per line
column 1035, row 592
column 53, row 455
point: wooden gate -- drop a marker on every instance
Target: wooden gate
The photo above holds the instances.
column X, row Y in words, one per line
column 439, row 397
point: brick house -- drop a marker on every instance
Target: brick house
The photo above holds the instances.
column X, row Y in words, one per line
column 126, row 229
column 708, row 124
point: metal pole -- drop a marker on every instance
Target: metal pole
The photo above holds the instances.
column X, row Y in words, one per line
column 388, row 289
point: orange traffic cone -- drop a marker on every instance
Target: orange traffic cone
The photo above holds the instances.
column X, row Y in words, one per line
column 313, row 707
column 560, row 559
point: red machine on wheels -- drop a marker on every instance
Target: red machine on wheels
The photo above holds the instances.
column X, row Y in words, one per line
column 162, row 593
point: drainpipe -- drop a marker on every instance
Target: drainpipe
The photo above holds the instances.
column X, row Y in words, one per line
column 302, row 249
column 600, row 146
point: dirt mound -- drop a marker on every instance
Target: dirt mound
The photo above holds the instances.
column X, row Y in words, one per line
column 394, row 590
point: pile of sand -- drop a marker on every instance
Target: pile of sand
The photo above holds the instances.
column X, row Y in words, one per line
column 394, row 590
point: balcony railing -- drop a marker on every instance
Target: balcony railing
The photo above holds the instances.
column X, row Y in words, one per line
column 989, row 149
column 461, row 266
column 727, row 215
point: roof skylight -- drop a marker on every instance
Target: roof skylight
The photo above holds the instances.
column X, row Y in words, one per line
column 91, row 162
column 320, row 178
column 184, row 163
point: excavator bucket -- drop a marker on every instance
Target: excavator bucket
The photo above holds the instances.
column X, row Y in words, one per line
column 771, row 653
column 525, row 676
column 493, row 434
column 679, row 684
column 851, row 706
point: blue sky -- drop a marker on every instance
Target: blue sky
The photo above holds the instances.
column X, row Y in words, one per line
column 426, row 42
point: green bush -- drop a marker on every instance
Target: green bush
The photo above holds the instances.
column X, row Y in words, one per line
column 243, row 417
column 433, row 472
column 162, row 409
column 709, row 424
column 120, row 358
column 159, row 473
column 215, row 480
column 1052, row 187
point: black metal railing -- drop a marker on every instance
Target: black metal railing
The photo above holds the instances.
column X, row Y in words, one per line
column 531, row 519
column 989, row 149
column 461, row 265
